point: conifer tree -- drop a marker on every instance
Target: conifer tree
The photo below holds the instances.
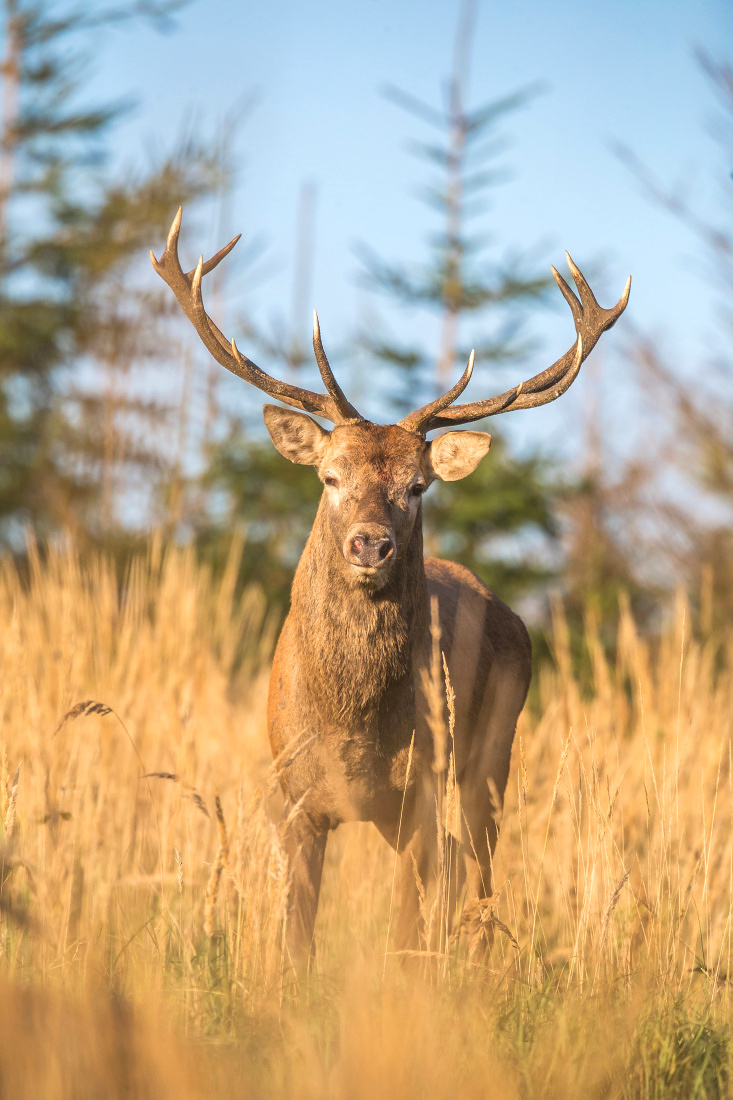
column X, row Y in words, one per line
column 72, row 233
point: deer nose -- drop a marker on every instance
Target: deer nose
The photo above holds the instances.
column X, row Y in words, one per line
column 370, row 546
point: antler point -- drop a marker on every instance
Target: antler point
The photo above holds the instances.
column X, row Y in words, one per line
column 197, row 276
column 575, row 270
column 174, row 230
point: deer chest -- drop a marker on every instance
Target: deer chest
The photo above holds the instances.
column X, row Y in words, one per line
column 355, row 772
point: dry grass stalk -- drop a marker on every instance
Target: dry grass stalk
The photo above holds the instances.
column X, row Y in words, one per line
column 609, row 910
column 187, row 789
column 221, row 861
column 420, row 890
column 4, row 778
column 450, row 697
column 452, row 812
column 479, row 919
column 84, row 709
column 433, row 691
column 397, row 850
column 179, row 871
column 523, row 781
column 452, row 792
column 12, row 799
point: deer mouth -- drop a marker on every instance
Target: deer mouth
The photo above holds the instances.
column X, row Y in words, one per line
column 371, row 578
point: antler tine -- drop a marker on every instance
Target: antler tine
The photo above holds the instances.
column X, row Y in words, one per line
column 568, row 295
column 171, row 249
column 219, row 256
column 415, row 421
column 171, row 244
column 187, row 288
column 591, row 321
column 587, row 296
column 344, row 406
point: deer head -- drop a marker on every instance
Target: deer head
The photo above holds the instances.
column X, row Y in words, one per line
column 374, row 475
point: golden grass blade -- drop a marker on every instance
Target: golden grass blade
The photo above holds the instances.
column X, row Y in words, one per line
column 397, row 851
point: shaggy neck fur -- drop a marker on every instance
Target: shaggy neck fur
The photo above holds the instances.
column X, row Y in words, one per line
column 357, row 642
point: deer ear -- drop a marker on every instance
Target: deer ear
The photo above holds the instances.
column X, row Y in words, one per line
column 457, row 454
column 296, row 436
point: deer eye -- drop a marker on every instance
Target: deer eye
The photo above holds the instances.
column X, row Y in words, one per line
column 329, row 479
column 418, row 489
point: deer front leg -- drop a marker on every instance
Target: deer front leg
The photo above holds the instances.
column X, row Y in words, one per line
column 414, row 870
column 479, row 836
column 306, row 847
column 414, row 851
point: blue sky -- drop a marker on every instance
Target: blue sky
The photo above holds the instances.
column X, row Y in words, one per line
column 622, row 72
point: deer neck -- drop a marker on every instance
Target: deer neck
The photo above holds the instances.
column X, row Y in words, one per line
column 355, row 643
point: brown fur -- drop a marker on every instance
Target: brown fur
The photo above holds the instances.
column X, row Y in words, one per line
column 346, row 679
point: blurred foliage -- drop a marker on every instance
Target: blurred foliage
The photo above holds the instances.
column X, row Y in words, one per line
column 272, row 500
column 75, row 436
column 689, row 537
column 480, row 521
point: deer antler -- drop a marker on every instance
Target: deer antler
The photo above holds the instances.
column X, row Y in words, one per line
column 591, row 321
column 187, row 288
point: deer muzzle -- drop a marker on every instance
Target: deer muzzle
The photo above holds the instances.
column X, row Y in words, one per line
column 370, row 546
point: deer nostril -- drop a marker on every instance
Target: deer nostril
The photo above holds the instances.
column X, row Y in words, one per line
column 370, row 549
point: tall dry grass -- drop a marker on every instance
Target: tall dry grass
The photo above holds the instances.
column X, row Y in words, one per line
column 140, row 856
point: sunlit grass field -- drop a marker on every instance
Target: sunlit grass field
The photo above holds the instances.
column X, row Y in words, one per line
column 144, row 879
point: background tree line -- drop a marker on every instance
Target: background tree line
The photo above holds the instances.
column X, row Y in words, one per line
column 91, row 442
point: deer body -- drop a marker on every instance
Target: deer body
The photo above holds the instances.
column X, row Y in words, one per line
column 350, row 714
column 355, row 763
column 347, row 691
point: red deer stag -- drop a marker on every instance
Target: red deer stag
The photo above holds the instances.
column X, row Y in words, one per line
column 348, row 679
